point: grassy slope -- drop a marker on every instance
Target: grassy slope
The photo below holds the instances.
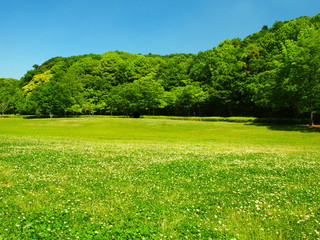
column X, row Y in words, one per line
column 156, row 179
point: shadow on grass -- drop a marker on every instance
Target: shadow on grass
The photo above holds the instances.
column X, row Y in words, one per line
column 287, row 127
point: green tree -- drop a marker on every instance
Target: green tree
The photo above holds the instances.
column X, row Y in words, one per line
column 227, row 86
column 48, row 99
column 174, row 70
column 139, row 67
column 11, row 96
column 118, row 101
column 142, row 95
column 149, row 94
column 300, row 73
column 190, row 97
column 110, row 66
column 201, row 68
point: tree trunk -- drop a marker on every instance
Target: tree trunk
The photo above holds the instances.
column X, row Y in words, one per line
column 311, row 119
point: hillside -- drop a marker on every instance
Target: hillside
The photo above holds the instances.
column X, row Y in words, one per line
column 273, row 72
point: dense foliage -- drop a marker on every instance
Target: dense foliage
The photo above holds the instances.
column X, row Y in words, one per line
column 274, row 72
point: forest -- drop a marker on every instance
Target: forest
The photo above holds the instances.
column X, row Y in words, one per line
column 272, row 73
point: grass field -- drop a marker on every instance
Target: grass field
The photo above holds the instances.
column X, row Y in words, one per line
column 116, row 178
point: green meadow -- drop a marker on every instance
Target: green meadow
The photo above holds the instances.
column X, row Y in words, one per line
column 121, row 178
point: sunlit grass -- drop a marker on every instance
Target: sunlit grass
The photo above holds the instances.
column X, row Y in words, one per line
column 96, row 178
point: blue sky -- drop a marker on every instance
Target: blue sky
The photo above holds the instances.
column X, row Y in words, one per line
column 33, row 31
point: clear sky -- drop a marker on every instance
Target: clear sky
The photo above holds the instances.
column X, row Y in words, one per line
column 33, row 31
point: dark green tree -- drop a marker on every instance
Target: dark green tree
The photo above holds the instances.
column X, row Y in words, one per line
column 300, row 73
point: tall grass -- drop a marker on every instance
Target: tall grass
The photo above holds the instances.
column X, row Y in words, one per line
column 107, row 178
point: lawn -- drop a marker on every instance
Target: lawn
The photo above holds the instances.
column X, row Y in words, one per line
column 121, row 178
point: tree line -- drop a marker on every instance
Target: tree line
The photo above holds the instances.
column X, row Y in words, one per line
column 272, row 73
